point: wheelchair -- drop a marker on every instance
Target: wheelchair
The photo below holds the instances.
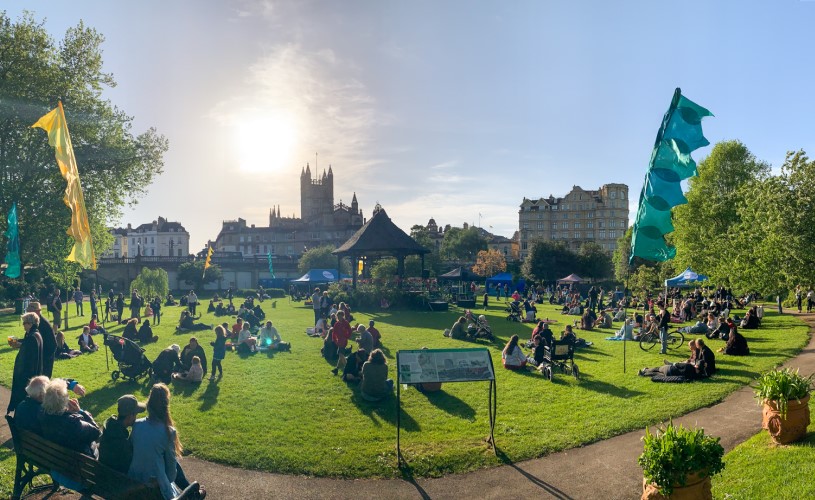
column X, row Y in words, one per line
column 560, row 355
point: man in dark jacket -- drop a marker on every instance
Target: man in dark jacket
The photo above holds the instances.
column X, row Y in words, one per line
column 28, row 362
column 706, row 364
column 193, row 349
column 115, row 449
column 166, row 363
column 49, row 339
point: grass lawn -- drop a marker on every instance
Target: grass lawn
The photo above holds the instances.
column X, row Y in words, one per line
column 758, row 468
column 287, row 413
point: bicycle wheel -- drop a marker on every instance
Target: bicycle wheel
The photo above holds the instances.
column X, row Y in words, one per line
column 648, row 341
column 676, row 339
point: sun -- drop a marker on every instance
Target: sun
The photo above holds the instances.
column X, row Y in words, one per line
column 265, row 142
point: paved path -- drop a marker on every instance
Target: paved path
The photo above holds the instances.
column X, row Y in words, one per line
column 607, row 469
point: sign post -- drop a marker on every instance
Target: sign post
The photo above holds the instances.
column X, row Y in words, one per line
column 443, row 366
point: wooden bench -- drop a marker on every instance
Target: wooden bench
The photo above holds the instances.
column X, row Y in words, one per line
column 37, row 456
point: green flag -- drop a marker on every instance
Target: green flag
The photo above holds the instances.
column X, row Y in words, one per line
column 271, row 270
column 671, row 163
column 13, row 265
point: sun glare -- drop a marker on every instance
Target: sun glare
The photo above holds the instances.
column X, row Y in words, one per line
column 265, row 143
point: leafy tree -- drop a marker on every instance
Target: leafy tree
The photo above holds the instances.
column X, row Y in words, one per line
column 714, row 197
column 462, row 244
column 384, row 269
column 549, row 261
column 432, row 261
column 152, row 282
column 489, row 263
column 193, row 274
column 645, row 278
column 594, row 262
column 317, row 258
column 115, row 165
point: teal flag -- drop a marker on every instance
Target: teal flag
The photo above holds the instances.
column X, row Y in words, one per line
column 271, row 270
column 671, row 163
column 13, row 265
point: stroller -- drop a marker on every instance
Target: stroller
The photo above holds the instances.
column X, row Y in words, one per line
column 132, row 362
column 514, row 311
column 480, row 330
column 560, row 355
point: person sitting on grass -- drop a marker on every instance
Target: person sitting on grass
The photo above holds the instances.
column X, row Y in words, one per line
column 319, row 328
column 145, row 334
column 587, row 320
column 603, row 321
column 530, row 311
column 699, row 327
column 750, row 320
column 192, row 350
column 377, row 336
column 459, row 329
column 131, row 332
column 187, row 323
column 167, row 363
column 352, row 372
column 626, row 332
column 194, row 375
column 722, row 331
column 375, row 382
column 246, row 341
column 736, row 344
column 95, row 326
column 538, row 350
column 568, row 335
column 512, row 356
column 236, row 328
column 63, row 351
column 86, row 343
column 365, row 339
column 269, row 336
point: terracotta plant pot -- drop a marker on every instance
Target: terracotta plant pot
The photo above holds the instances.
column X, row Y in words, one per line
column 696, row 488
column 790, row 429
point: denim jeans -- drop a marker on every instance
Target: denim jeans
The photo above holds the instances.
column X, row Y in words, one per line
column 663, row 337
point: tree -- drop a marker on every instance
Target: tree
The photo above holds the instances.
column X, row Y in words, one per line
column 594, row 262
column 115, row 165
column 384, row 269
column 462, row 244
column 645, row 278
column 549, row 261
column 152, row 282
column 192, row 273
column 432, row 261
column 489, row 263
column 317, row 258
column 702, row 225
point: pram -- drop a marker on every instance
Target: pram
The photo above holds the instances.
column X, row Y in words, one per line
column 559, row 355
column 132, row 362
column 514, row 311
column 480, row 330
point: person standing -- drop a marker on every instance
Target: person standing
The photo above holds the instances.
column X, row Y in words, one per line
column 49, row 339
column 78, row 298
column 192, row 302
column 664, row 319
column 120, row 307
column 316, row 297
column 28, row 362
column 810, row 299
column 799, row 297
column 156, row 306
column 486, row 300
column 56, row 307
column 94, row 300
column 218, row 351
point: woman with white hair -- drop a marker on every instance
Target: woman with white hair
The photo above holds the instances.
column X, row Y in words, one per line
column 64, row 423
column 29, row 360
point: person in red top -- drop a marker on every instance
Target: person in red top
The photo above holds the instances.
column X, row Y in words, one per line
column 340, row 335
column 375, row 334
column 236, row 328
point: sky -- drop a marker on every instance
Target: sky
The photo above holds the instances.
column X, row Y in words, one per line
column 455, row 110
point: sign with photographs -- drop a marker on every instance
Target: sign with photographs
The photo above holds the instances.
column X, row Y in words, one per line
column 444, row 365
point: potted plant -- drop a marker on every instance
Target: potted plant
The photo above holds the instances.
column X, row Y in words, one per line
column 784, row 395
column 678, row 463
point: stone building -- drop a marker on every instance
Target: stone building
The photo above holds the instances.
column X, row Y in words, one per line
column 160, row 238
column 581, row 216
column 321, row 222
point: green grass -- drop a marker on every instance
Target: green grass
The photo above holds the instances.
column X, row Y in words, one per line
column 287, row 413
column 758, row 468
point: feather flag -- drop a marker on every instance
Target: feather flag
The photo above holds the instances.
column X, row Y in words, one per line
column 13, row 264
column 58, row 137
column 208, row 260
column 271, row 269
column 671, row 163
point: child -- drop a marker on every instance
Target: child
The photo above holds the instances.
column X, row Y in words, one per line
column 486, row 300
column 218, row 351
column 195, row 374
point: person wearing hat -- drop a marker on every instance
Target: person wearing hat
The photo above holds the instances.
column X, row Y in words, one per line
column 115, row 449
column 166, row 363
column 49, row 339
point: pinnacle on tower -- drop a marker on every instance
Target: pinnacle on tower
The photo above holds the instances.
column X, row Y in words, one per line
column 330, row 173
column 308, row 170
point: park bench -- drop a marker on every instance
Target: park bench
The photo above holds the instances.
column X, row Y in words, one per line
column 37, row 456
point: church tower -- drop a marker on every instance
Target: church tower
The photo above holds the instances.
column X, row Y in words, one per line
column 316, row 195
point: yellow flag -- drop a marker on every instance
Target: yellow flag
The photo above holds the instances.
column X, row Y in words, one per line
column 360, row 266
column 209, row 257
column 58, row 137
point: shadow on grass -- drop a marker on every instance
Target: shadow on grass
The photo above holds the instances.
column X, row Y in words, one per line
column 550, row 490
column 384, row 410
column 184, row 389
column 105, row 397
column 210, row 396
column 589, row 382
column 451, row 404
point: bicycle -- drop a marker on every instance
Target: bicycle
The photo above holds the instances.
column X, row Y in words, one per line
column 649, row 340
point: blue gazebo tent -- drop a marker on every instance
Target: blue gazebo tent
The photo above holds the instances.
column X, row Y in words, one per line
column 687, row 278
column 504, row 279
column 318, row 276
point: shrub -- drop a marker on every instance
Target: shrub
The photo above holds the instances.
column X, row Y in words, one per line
column 670, row 455
column 782, row 386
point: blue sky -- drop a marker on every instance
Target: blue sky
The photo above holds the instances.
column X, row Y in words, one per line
column 442, row 109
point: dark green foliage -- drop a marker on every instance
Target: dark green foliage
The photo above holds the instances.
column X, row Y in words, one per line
column 462, row 245
column 674, row 452
column 192, row 273
column 782, row 386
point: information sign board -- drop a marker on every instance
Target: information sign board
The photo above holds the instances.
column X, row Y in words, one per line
column 444, row 365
